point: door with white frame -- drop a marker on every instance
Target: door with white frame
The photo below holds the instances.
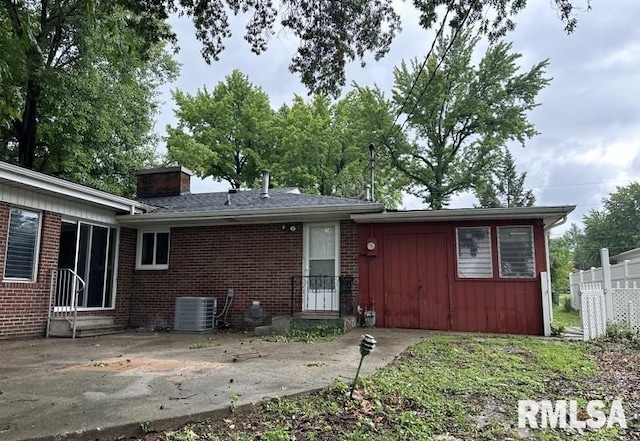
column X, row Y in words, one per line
column 321, row 287
column 89, row 250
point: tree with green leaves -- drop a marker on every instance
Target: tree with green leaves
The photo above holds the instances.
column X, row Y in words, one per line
column 37, row 38
column 84, row 92
column 504, row 186
column 615, row 227
column 462, row 115
column 225, row 134
column 323, row 148
column 333, row 32
column 561, row 255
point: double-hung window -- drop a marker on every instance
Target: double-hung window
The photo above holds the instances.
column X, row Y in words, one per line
column 153, row 250
column 23, row 240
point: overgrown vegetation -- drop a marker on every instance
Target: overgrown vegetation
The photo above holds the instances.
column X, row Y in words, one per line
column 623, row 333
column 448, row 387
column 313, row 335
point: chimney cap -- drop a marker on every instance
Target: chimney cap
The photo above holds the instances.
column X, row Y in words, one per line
column 151, row 171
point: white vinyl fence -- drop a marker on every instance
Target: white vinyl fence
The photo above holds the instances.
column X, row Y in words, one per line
column 624, row 272
column 601, row 303
column 593, row 310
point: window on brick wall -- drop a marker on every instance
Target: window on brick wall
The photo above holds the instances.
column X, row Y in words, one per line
column 153, row 250
column 21, row 259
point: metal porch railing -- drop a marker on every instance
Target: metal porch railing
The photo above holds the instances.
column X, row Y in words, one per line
column 321, row 293
column 64, row 292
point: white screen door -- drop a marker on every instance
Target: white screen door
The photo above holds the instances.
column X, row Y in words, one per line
column 321, row 286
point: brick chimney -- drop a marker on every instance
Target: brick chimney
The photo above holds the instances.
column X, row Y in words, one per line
column 170, row 181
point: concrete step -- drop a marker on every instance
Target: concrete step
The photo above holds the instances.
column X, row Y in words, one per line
column 85, row 326
column 102, row 330
column 321, row 315
column 92, row 321
column 263, row 330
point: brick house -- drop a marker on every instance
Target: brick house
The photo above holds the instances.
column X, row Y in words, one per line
column 127, row 262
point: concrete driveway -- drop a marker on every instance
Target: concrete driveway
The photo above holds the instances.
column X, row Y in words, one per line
column 105, row 387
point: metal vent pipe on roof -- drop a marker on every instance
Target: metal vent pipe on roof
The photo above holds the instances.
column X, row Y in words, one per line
column 264, row 193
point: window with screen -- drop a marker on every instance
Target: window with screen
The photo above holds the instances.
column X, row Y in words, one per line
column 22, row 245
column 515, row 252
column 474, row 252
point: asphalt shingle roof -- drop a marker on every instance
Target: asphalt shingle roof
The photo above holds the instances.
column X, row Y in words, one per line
column 279, row 198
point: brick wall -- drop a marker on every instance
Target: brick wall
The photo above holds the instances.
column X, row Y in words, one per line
column 171, row 181
column 23, row 306
column 257, row 261
column 349, row 255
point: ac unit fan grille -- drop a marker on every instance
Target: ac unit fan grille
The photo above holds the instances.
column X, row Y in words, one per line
column 195, row 314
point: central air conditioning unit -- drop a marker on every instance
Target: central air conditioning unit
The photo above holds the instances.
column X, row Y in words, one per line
column 194, row 314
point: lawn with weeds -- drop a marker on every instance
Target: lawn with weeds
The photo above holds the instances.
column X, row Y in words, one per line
column 316, row 334
column 444, row 388
column 564, row 315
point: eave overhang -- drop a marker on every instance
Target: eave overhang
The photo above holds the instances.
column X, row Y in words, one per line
column 549, row 215
column 16, row 176
column 248, row 216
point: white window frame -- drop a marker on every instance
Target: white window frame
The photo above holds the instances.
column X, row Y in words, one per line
column 36, row 250
column 462, row 276
column 154, row 266
column 533, row 251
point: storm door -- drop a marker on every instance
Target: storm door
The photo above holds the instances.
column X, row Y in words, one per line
column 321, row 267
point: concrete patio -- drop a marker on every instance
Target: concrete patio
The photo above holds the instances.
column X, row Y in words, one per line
column 106, row 387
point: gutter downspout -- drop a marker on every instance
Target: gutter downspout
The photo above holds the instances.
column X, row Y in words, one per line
column 557, row 223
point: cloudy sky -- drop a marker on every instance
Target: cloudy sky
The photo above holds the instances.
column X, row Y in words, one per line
column 588, row 118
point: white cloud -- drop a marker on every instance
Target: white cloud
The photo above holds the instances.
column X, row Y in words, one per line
column 589, row 117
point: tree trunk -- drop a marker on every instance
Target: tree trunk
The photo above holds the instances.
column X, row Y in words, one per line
column 27, row 128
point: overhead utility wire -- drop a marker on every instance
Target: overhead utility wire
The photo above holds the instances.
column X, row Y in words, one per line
column 447, row 49
column 415, row 80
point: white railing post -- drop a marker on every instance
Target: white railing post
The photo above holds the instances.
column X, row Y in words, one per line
column 606, row 282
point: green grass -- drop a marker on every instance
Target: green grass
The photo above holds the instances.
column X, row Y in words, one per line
column 312, row 335
column 466, row 387
column 565, row 318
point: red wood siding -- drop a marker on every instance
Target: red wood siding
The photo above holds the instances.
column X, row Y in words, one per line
column 411, row 281
column 416, row 283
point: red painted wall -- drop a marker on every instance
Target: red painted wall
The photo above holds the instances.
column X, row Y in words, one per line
column 475, row 305
column 257, row 261
column 23, row 306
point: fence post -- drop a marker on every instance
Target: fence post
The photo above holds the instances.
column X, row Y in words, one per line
column 606, row 282
column 626, row 270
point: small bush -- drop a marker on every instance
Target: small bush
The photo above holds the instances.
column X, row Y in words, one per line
column 622, row 331
column 567, row 306
column 557, row 329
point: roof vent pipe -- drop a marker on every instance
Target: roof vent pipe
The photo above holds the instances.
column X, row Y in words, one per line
column 264, row 193
column 367, row 192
